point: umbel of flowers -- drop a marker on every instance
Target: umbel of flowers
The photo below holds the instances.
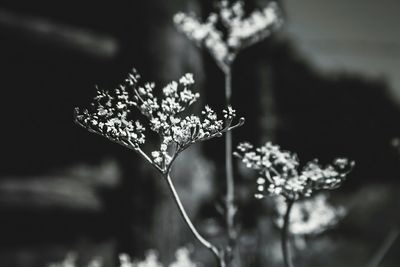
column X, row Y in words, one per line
column 112, row 115
column 237, row 31
column 280, row 175
column 280, row 172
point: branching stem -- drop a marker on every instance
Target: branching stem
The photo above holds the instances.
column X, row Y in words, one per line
column 384, row 248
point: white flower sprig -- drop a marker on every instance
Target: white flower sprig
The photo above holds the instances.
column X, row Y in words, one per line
column 238, row 32
column 111, row 115
column 280, row 174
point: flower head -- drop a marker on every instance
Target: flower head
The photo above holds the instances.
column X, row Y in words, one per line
column 112, row 116
column 280, row 173
column 238, row 31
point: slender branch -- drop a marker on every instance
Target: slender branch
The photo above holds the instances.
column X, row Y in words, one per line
column 126, row 143
column 240, row 123
column 189, row 223
column 384, row 248
column 219, row 134
column 287, row 258
column 230, row 189
column 147, row 158
column 268, row 176
column 228, row 85
column 174, row 156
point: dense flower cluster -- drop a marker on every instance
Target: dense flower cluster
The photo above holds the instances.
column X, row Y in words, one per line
column 111, row 115
column 280, row 170
column 238, row 31
column 311, row 216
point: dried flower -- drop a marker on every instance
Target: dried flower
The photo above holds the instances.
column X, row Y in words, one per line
column 311, row 216
column 281, row 170
column 111, row 115
column 238, row 31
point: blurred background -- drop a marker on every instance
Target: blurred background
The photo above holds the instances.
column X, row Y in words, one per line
column 326, row 85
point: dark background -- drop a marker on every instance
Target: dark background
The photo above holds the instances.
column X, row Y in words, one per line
column 310, row 88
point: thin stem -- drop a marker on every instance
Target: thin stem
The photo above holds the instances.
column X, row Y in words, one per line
column 230, row 189
column 144, row 155
column 228, row 85
column 147, row 158
column 287, row 258
column 189, row 223
column 384, row 248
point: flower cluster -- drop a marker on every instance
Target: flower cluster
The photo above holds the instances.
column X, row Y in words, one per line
column 280, row 170
column 111, row 115
column 238, row 31
column 310, row 216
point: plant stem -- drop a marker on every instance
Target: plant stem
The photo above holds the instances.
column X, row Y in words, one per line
column 287, row 258
column 189, row 223
column 384, row 248
column 230, row 189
